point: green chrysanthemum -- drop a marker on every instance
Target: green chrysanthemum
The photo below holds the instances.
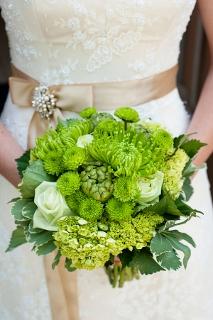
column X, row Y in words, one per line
column 90, row 209
column 108, row 127
column 53, row 162
column 75, row 199
column 119, row 211
column 74, row 157
column 173, row 180
column 88, row 112
column 126, row 188
column 127, row 114
column 68, row 183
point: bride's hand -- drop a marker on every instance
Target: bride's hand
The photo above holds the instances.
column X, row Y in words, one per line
column 9, row 151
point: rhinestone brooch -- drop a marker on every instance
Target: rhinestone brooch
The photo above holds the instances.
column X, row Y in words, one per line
column 44, row 101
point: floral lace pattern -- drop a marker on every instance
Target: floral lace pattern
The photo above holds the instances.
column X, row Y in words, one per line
column 94, row 38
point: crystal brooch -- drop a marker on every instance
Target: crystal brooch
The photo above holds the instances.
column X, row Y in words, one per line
column 44, row 101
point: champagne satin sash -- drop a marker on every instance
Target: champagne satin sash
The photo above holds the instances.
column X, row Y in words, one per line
column 62, row 285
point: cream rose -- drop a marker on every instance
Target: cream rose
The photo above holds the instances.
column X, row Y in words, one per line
column 150, row 189
column 51, row 206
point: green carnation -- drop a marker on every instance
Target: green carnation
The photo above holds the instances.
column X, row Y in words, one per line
column 119, row 211
column 88, row 112
column 126, row 189
column 74, row 157
column 68, row 183
column 173, row 180
column 90, row 209
column 127, row 114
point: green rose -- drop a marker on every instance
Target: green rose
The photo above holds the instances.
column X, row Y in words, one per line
column 150, row 189
column 51, row 206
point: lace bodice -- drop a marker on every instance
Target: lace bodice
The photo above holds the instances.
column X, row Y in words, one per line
column 72, row 41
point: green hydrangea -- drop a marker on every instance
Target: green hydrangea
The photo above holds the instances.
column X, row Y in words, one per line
column 88, row 112
column 74, row 157
column 75, row 199
column 127, row 114
column 68, row 183
column 90, row 209
column 84, row 243
column 126, row 188
column 89, row 247
column 119, row 211
column 173, row 180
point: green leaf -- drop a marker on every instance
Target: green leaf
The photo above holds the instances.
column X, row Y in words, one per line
column 18, row 238
column 181, row 247
column 187, row 189
column 145, row 262
column 126, row 257
column 32, row 177
column 185, row 208
column 23, row 162
column 178, row 141
column 191, row 147
column 169, row 260
column 56, row 260
column 14, row 200
column 33, row 230
column 45, row 248
column 160, row 244
column 29, row 210
column 68, row 265
column 189, row 169
column 180, row 236
column 40, row 238
column 17, row 209
column 165, row 206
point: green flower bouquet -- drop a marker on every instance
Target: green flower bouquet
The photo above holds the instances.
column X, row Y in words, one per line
column 107, row 191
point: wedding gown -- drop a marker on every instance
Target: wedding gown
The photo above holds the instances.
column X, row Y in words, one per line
column 86, row 41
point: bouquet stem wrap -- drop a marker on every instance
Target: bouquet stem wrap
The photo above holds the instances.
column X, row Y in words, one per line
column 62, row 285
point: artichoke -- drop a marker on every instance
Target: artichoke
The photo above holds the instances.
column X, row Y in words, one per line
column 96, row 182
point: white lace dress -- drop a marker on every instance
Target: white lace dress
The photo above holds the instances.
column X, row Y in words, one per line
column 75, row 41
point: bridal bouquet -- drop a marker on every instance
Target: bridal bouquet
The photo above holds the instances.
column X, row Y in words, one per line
column 107, row 191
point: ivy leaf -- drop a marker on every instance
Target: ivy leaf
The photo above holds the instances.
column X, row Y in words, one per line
column 160, row 244
column 145, row 262
column 68, row 265
column 40, row 238
column 23, row 162
column 56, row 260
column 169, row 260
column 32, row 177
column 191, row 147
column 17, row 239
column 17, row 209
column 29, row 210
column 45, row 248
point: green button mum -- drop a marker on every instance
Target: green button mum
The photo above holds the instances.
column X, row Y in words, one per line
column 127, row 114
column 68, row 183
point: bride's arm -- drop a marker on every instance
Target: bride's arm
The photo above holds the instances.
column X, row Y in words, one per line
column 202, row 120
column 9, row 151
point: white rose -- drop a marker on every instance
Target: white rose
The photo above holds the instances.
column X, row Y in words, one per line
column 150, row 189
column 83, row 141
column 51, row 206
